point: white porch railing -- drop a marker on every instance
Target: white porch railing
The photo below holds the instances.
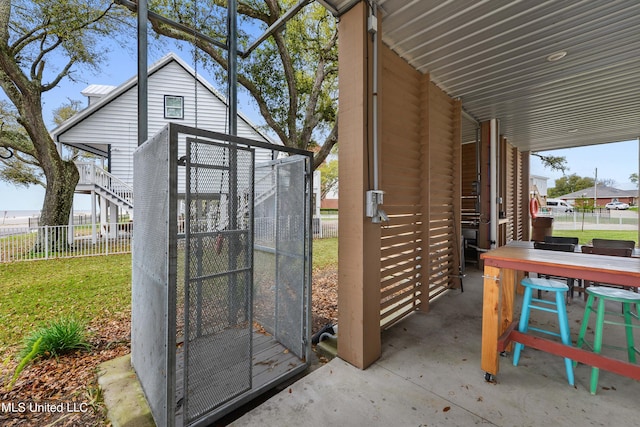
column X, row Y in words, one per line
column 93, row 175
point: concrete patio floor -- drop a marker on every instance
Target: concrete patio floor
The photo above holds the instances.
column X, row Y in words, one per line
column 429, row 375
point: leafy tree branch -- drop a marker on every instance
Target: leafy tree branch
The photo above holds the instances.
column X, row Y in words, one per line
column 291, row 76
column 556, row 163
column 34, row 36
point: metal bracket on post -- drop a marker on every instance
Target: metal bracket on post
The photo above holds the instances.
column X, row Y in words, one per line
column 373, row 201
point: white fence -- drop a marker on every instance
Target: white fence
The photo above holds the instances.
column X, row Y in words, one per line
column 33, row 243
column 325, row 227
column 266, row 228
column 601, row 219
column 63, row 241
column 37, row 243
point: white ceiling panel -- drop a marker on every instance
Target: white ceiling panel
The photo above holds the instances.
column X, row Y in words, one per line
column 493, row 54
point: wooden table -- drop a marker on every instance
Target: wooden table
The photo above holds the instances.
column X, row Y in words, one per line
column 504, row 267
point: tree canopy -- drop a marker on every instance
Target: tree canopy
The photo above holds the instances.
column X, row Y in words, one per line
column 292, row 75
column 570, row 183
column 41, row 43
column 555, row 163
column 328, row 178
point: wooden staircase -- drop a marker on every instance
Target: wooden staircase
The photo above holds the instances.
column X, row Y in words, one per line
column 107, row 186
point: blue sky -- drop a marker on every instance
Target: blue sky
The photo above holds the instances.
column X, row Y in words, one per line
column 613, row 161
column 616, row 161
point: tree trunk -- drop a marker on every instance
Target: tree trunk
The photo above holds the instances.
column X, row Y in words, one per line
column 56, row 208
column 58, row 197
column 61, row 175
column 58, row 200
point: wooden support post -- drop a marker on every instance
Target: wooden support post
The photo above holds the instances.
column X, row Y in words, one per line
column 359, row 243
column 485, row 187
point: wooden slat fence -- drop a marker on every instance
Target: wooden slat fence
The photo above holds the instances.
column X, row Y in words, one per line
column 421, row 179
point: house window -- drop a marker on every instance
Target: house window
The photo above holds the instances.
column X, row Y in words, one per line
column 173, row 107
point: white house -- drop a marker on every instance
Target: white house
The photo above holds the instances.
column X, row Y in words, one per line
column 538, row 184
column 108, row 127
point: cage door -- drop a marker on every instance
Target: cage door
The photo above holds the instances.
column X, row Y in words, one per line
column 218, row 272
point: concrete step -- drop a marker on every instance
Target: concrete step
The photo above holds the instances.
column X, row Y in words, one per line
column 328, row 348
column 123, row 395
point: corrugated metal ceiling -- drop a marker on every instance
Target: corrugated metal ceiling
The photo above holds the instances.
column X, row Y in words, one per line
column 493, row 55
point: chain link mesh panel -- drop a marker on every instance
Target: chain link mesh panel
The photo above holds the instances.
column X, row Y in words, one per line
column 291, row 255
column 217, row 299
column 264, row 279
column 281, row 251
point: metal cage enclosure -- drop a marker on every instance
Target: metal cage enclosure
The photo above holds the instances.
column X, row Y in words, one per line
column 221, row 275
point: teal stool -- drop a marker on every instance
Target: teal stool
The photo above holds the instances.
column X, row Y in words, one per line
column 528, row 302
column 604, row 294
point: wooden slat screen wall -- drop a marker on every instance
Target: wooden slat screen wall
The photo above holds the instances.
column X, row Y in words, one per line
column 469, row 215
column 444, row 191
column 510, row 189
column 401, row 238
column 516, row 192
column 519, row 197
column 421, row 167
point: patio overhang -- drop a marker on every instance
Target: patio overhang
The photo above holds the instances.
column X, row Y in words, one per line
column 555, row 74
column 418, row 80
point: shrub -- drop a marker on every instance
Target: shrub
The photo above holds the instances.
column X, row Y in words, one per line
column 58, row 337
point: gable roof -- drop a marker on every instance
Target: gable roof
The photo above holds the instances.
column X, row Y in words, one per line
column 604, row 192
column 115, row 92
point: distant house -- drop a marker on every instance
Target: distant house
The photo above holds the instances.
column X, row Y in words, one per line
column 539, row 183
column 108, row 127
column 329, row 203
column 603, row 195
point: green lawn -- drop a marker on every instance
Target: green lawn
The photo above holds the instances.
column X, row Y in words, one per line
column 585, row 237
column 325, row 253
column 37, row 292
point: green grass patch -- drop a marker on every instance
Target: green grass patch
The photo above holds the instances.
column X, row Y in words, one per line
column 585, row 237
column 38, row 292
column 325, row 253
